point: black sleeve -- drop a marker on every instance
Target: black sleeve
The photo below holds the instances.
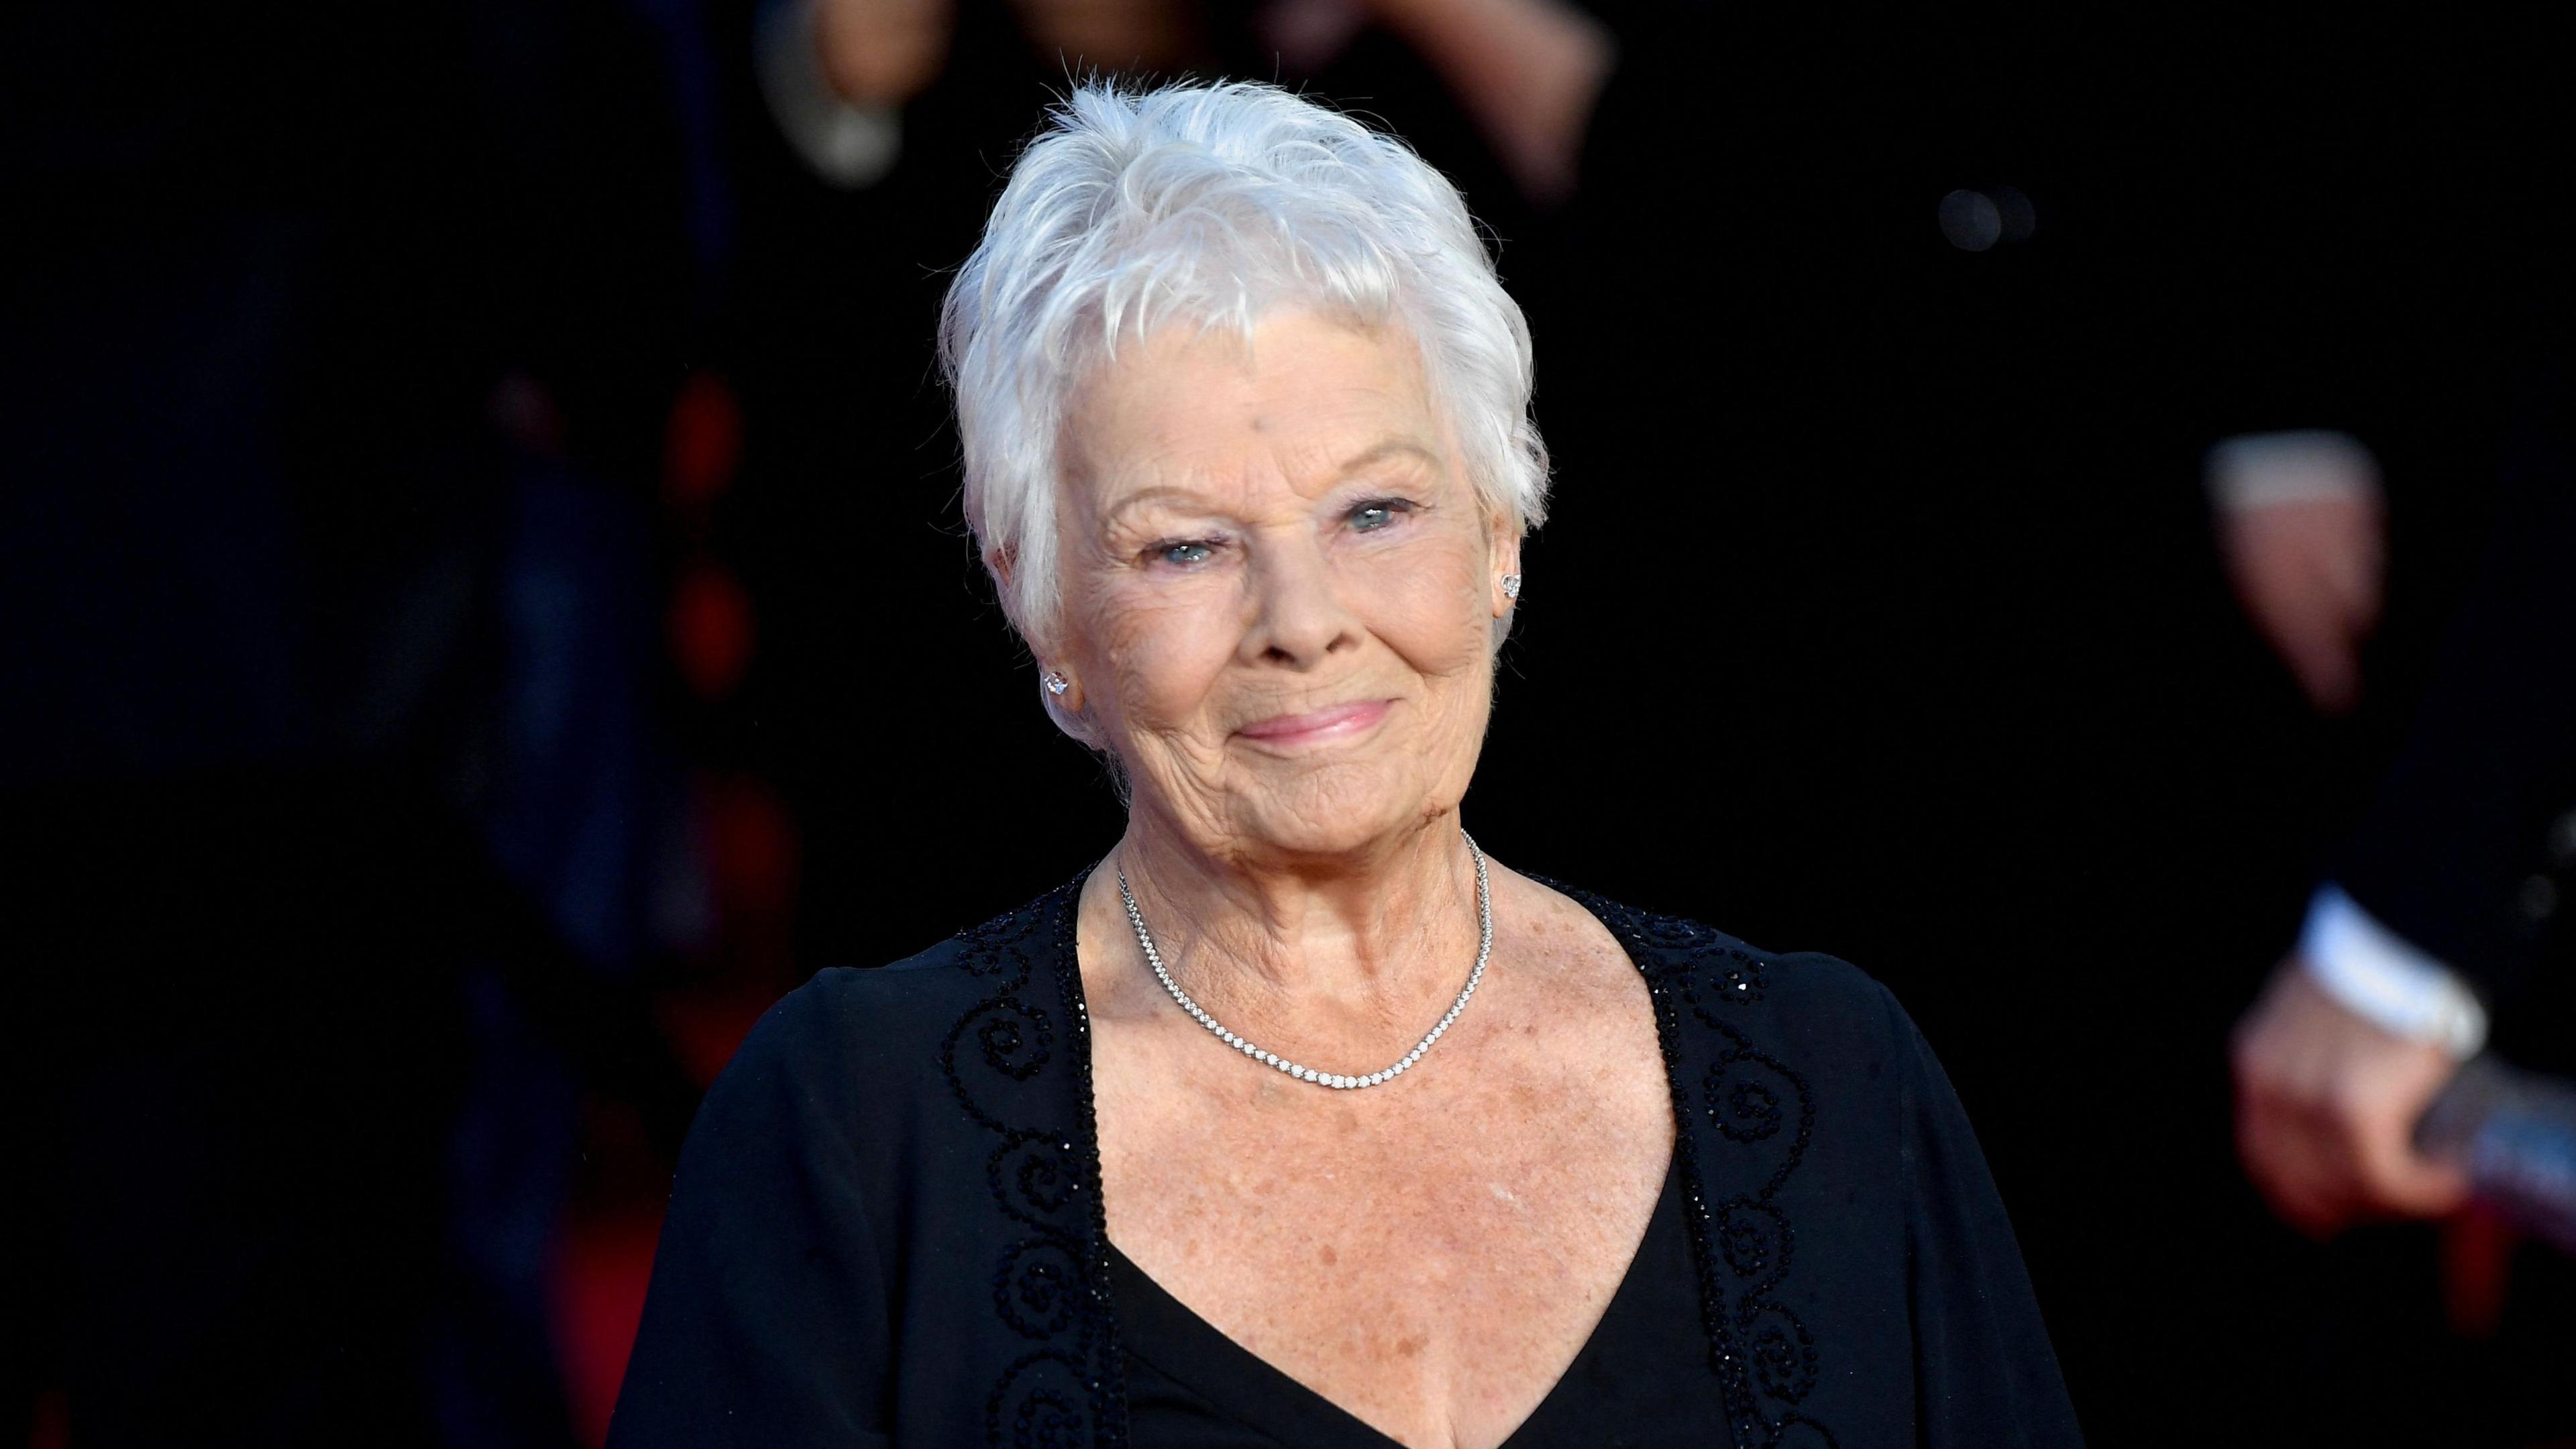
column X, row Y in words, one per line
column 1985, row 1376
column 766, row 1320
column 2467, row 852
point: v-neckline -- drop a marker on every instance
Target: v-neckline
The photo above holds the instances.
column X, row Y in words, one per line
column 1260, row 1394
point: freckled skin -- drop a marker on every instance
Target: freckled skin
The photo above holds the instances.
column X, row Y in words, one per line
column 1251, row 533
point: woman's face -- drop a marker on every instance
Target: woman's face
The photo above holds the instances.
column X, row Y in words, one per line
column 1279, row 586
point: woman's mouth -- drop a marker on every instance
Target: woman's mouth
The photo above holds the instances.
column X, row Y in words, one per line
column 1317, row 726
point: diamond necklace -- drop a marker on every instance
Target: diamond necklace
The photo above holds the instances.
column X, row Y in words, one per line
column 1484, row 949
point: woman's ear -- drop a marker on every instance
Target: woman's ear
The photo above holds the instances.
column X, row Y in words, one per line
column 1505, row 584
column 1063, row 691
column 1070, row 711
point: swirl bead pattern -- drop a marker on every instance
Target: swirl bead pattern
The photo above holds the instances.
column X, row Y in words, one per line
column 1339, row 1083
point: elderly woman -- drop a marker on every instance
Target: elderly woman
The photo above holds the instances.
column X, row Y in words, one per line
column 1299, row 1120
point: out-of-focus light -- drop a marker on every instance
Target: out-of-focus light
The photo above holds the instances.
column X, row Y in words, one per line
column 2020, row 218
column 750, row 840
column 1971, row 220
column 702, row 443
column 711, row 630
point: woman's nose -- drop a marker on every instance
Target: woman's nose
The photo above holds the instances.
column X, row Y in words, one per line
column 1298, row 616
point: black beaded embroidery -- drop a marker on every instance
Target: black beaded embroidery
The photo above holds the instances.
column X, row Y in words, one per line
column 1006, row 1060
column 1762, row 1114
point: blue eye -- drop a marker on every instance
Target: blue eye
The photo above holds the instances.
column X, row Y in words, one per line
column 1186, row 553
column 1378, row 513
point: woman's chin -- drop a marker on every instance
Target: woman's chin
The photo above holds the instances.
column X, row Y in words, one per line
column 1350, row 814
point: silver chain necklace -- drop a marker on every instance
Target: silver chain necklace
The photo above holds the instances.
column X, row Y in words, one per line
column 1484, row 949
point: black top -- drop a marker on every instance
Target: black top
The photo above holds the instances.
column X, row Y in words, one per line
column 1641, row 1379
column 887, row 1228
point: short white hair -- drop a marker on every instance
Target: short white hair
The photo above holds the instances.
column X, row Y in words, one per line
column 1212, row 204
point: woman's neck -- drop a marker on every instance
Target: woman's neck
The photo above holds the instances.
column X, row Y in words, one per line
column 1308, row 939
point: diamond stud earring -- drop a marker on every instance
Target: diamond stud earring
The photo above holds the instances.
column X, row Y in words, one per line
column 1511, row 586
column 1056, row 684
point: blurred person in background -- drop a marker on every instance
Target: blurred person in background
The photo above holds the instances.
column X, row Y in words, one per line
column 2440, row 928
column 325, row 771
column 2405, row 564
column 1249, row 455
column 2398, row 529
column 2446, row 901
column 2009, row 280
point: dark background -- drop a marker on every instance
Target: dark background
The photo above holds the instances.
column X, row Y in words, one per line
column 484, row 609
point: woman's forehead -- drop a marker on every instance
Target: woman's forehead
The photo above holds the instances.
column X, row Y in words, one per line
column 1304, row 401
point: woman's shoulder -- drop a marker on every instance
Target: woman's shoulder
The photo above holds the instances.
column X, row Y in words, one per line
column 1817, row 1027
column 1819, row 1116
column 1710, row 967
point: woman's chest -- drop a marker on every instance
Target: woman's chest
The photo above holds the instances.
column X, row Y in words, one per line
column 1431, row 1265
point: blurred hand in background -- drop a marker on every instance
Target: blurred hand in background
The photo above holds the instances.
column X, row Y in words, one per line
column 881, row 53
column 2302, row 532
column 2326, row 1106
column 1528, row 71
